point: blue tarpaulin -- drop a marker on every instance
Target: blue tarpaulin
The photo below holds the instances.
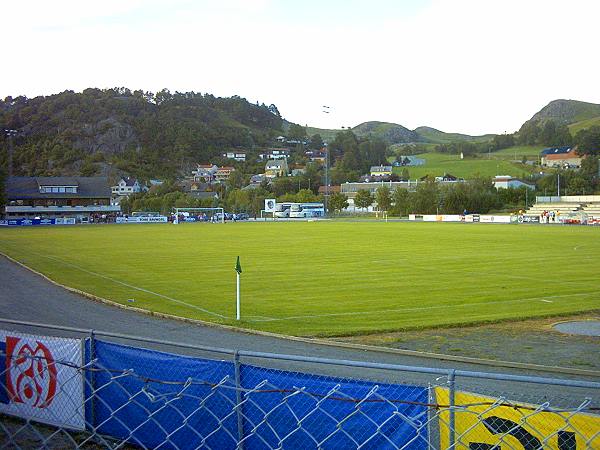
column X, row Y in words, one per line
column 153, row 404
column 309, row 411
column 159, row 399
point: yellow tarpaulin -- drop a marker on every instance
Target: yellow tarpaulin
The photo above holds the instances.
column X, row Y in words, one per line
column 482, row 423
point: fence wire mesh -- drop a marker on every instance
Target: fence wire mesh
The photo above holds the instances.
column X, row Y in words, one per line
column 108, row 395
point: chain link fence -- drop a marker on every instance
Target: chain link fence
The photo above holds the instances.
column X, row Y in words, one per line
column 71, row 388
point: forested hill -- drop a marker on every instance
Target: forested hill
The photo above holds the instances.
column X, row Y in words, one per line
column 142, row 133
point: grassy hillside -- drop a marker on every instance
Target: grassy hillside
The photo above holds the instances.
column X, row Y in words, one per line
column 391, row 133
column 326, row 134
column 567, row 111
column 532, row 152
column 395, row 134
column 584, row 124
column 427, row 275
column 436, row 164
column 439, row 137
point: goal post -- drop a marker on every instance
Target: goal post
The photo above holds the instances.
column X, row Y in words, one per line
column 219, row 213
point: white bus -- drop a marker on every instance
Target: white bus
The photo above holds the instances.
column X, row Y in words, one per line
column 282, row 210
column 307, row 210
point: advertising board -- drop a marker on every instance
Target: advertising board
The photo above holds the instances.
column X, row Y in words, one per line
column 41, row 380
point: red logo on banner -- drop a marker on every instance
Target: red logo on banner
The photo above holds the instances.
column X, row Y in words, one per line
column 31, row 373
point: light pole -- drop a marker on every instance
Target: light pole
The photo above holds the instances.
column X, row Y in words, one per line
column 326, row 181
column 326, row 110
column 10, row 133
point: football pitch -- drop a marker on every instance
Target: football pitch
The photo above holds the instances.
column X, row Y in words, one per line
column 325, row 278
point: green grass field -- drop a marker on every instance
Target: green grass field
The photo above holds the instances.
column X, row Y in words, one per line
column 436, row 164
column 325, row 278
column 574, row 128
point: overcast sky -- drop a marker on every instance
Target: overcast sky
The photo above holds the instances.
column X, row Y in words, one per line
column 471, row 66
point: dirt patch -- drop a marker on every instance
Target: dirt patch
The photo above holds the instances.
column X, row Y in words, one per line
column 528, row 341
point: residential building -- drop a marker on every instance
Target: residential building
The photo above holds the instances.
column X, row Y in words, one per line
column 126, row 186
column 223, row 173
column 236, row 155
column 449, row 178
column 317, row 156
column 274, row 153
column 205, row 173
column 565, row 157
column 276, row 168
column 506, row 181
column 58, row 197
column 257, row 179
column 156, row 182
column 381, row 171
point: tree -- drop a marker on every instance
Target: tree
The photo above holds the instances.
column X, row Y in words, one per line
column 402, row 202
column 426, row 198
column 501, row 141
column 316, row 142
column 236, row 180
column 306, row 196
column 588, row 141
column 238, row 201
column 338, row 202
column 383, row 198
column 363, row 199
column 529, row 133
column 284, row 185
column 548, row 133
column 311, row 177
column 297, row 132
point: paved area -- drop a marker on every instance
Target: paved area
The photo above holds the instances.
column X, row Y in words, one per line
column 28, row 297
column 583, row 328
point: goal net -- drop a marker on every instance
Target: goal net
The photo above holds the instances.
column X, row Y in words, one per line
column 199, row 215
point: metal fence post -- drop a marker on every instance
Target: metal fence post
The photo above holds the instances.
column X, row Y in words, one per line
column 451, row 404
column 238, row 399
column 92, row 380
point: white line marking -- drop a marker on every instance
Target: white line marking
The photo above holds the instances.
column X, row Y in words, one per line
column 547, row 301
column 364, row 313
column 133, row 287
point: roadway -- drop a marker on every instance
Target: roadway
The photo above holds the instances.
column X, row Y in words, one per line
column 28, row 297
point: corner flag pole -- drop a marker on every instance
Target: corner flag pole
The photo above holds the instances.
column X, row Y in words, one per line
column 238, row 269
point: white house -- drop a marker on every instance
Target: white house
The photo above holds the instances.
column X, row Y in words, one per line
column 205, row 173
column 506, row 181
column 237, row 155
column 126, row 186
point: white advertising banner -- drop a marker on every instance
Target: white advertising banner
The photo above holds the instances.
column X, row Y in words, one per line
column 270, row 204
column 452, row 218
column 39, row 379
column 495, row 219
column 142, row 219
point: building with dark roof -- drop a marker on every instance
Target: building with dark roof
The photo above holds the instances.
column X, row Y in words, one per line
column 52, row 197
column 564, row 157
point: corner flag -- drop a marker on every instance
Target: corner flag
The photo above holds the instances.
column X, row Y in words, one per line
column 238, row 269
